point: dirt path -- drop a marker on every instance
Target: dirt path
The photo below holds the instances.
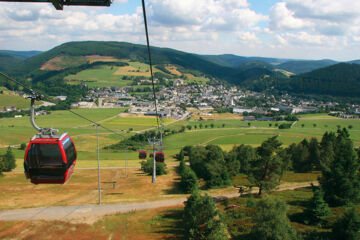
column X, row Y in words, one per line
column 95, row 211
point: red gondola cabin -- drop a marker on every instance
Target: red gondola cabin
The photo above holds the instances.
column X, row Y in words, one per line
column 159, row 157
column 50, row 159
column 142, row 154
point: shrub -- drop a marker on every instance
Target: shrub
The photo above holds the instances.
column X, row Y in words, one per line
column 147, row 167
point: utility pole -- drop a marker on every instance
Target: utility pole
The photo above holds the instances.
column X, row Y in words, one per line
column 98, row 160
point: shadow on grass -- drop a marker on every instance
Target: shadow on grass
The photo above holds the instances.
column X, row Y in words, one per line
column 174, row 188
column 172, row 225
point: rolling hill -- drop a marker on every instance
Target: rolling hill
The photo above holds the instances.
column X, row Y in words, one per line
column 230, row 60
column 304, row 66
column 8, row 61
column 342, row 79
column 51, row 69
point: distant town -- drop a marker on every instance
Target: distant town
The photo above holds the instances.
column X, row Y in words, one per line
column 174, row 99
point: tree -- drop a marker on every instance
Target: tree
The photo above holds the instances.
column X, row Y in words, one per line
column 341, row 181
column 9, row 161
column 22, row 146
column 300, row 158
column 271, row 221
column 232, row 163
column 195, row 126
column 181, row 155
column 201, row 219
column 314, row 125
column 212, row 125
column 267, row 170
column 350, row 127
column 245, row 155
column 314, row 153
column 249, row 124
column 189, row 181
column 209, row 163
column 347, row 227
column 270, row 124
column 223, row 125
column 317, row 209
column 302, row 125
column 327, row 149
column 189, row 127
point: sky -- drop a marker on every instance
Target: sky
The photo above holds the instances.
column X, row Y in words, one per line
column 300, row 29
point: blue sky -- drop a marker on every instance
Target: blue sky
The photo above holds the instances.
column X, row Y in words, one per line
column 302, row 29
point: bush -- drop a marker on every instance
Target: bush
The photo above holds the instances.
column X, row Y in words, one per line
column 23, row 146
column 147, row 167
column 285, row 126
column 189, row 181
column 8, row 161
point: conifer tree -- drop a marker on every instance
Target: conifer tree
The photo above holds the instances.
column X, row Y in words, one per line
column 314, row 153
column 271, row 221
column 267, row 170
column 300, row 158
column 347, row 227
column 202, row 220
column 9, row 160
column 341, row 181
column 327, row 150
column 317, row 209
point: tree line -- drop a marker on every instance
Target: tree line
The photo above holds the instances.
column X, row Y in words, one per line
column 334, row 156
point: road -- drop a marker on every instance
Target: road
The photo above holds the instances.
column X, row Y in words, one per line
column 87, row 211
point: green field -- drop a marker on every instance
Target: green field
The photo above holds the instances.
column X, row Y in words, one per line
column 101, row 76
column 236, row 132
column 14, row 100
column 105, row 76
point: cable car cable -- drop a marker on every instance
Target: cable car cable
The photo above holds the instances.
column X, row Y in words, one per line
column 150, row 64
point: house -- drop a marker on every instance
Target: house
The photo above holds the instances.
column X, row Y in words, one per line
column 42, row 112
column 153, row 113
column 61, row 98
column 249, row 118
column 9, row 108
column 241, row 110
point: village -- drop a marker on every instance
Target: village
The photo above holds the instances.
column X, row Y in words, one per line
column 174, row 99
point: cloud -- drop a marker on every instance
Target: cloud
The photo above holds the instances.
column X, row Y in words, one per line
column 326, row 17
column 283, row 19
column 216, row 15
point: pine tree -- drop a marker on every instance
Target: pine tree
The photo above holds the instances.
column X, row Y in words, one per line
column 9, row 160
column 314, row 153
column 202, row 221
column 267, row 170
column 300, row 158
column 341, row 181
column 317, row 209
column 327, row 150
column 347, row 227
column 271, row 221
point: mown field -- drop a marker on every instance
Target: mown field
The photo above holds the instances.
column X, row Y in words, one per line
column 226, row 132
column 7, row 99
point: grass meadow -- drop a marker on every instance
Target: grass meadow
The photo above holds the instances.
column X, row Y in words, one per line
column 132, row 185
